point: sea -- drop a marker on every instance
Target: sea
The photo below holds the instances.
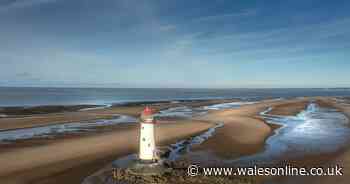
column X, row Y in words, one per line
column 37, row 96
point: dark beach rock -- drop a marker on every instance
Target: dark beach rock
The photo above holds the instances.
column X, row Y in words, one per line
column 176, row 172
column 43, row 109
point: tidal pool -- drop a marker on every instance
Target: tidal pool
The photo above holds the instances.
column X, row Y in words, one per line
column 9, row 136
column 313, row 131
column 188, row 112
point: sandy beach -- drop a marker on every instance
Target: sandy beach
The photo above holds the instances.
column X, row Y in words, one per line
column 341, row 158
column 26, row 164
column 132, row 109
column 71, row 160
column 239, row 125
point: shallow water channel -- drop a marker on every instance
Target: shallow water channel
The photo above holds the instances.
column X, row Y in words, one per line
column 313, row 131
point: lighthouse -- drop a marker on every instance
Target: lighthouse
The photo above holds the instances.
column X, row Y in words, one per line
column 147, row 162
column 147, row 144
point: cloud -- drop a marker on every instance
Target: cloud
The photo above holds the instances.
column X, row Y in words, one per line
column 94, row 43
column 168, row 27
column 311, row 38
column 26, row 76
column 18, row 4
column 315, row 31
column 245, row 13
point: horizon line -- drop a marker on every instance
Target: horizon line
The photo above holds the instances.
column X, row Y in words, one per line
column 70, row 87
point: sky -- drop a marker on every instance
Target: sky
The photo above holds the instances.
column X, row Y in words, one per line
column 175, row 44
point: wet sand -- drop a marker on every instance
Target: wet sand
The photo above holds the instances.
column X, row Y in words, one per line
column 290, row 108
column 63, row 161
column 133, row 109
column 26, row 111
column 244, row 132
column 70, row 160
column 47, row 163
column 340, row 158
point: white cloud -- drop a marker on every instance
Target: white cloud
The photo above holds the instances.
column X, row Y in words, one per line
column 23, row 4
column 245, row 13
column 280, row 41
column 168, row 27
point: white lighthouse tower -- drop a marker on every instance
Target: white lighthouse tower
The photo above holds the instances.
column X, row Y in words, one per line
column 147, row 137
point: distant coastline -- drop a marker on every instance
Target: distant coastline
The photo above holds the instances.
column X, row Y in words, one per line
column 39, row 96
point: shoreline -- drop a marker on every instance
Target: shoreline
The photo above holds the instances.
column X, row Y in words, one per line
column 20, row 167
column 37, row 120
column 85, row 150
column 23, row 110
column 238, row 125
column 341, row 157
column 220, row 136
column 101, row 149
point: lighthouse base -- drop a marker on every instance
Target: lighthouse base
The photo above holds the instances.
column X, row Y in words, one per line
column 134, row 166
column 147, row 169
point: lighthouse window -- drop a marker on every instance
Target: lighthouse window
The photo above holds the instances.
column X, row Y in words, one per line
column 143, row 127
column 149, row 145
column 143, row 139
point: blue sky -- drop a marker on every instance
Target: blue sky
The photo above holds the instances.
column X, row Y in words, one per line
column 182, row 43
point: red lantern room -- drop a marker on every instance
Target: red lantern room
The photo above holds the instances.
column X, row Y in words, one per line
column 147, row 115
